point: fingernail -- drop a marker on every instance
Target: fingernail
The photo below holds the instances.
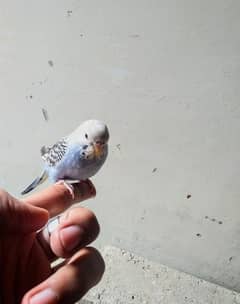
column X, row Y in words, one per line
column 46, row 296
column 71, row 237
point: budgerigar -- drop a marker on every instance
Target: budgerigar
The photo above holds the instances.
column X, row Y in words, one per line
column 75, row 157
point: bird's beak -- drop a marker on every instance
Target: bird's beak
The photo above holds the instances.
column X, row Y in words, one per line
column 98, row 148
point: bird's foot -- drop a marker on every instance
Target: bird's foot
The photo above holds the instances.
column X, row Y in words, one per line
column 68, row 185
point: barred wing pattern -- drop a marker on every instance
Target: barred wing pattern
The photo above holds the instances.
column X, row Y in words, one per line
column 52, row 155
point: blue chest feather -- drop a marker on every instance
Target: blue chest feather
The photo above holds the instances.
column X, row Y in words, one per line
column 75, row 166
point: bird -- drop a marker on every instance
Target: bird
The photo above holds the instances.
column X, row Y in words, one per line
column 75, row 157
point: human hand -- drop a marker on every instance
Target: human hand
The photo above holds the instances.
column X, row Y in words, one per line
column 26, row 253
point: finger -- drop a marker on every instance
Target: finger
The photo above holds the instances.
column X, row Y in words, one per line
column 66, row 234
column 70, row 282
column 58, row 198
column 17, row 217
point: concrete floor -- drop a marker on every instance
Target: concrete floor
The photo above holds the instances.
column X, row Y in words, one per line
column 165, row 76
column 131, row 279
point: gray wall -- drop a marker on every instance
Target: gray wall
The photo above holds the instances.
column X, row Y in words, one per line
column 165, row 76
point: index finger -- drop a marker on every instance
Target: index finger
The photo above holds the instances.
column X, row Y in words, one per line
column 57, row 198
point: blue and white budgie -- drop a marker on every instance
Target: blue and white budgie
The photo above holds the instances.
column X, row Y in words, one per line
column 76, row 157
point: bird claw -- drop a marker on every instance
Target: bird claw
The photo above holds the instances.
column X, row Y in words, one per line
column 68, row 186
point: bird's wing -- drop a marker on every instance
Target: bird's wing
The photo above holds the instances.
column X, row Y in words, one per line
column 52, row 155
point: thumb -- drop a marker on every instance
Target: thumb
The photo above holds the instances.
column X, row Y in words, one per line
column 19, row 217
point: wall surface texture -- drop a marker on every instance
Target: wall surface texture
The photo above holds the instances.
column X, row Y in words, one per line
column 164, row 75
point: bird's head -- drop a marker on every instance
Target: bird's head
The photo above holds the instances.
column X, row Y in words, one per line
column 95, row 134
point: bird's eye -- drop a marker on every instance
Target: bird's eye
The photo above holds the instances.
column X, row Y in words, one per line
column 86, row 136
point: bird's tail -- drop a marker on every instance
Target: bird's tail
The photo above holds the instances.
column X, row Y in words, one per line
column 38, row 181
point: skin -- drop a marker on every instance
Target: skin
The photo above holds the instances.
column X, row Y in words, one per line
column 26, row 253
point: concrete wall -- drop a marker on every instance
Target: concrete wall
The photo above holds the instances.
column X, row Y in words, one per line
column 165, row 76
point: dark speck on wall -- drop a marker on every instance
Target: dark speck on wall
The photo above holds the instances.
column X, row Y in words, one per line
column 198, row 235
column 69, row 13
column 40, row 82
column 118, row 147
column 134, row 35
column 213, row 220
column 189, row 196
column 45, row 114
column 81, row 35
column 154, row 170
column 230, row 259
column 50, row 63
column 29, row 97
